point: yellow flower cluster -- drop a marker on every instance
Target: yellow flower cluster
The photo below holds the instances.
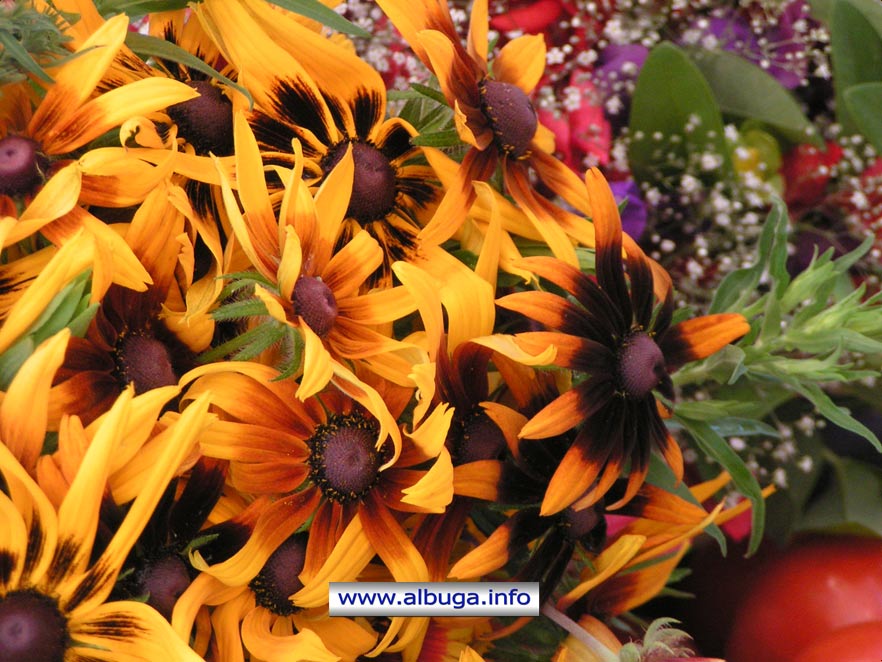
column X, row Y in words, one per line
column 255, row 339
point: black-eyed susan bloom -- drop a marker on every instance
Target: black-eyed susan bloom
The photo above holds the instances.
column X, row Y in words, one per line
column 495, row 117
column 258, row 615
column 619, row 350
column 342, row 462
column 52, row 593
column 70, row 115
column 318, row 287
column 332, row 102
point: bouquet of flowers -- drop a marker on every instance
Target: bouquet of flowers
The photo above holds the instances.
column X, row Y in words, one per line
column 295, row 292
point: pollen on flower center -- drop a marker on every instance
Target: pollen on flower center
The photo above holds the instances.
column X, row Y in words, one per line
column 32, row 628
column 511, row 116
column 164, row 580
column 344, row 461
column 144, row 361
column 205, row 122
column 474, row 437
column 278, row 579
column 641, row 365
column 21, row 165
column 373, row 187
column 315, row 303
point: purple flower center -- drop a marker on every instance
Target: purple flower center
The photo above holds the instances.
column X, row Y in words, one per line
column 374, row 184
column 344, row 461
column 32, row 628
column 144, row 361
column 205, row 122
column 474, row 437
column 22, row 165
column 315, row 303
column 641, row 365
column 278, row 579
column 164, row 580
column 511, row 116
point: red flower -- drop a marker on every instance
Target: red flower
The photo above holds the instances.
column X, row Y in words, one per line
column 806, row 172
column 529, row 17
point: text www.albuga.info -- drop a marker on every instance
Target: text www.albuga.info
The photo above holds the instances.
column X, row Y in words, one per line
column 434, row 599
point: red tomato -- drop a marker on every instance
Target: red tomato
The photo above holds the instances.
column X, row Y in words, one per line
column 861, row 642
column 818, row 585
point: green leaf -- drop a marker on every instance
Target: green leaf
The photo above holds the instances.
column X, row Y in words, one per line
column 856, row 51
column 13, row 48
column 834, row 413
column 743, row 89
column 325, row 15
column 430, row 92
column 734, row 426
column 147, row 46
column 863, row 103
column 309, row 8
column 739, row 287
column 448, row 138
column 717, row 448
column 852, row 503
column 238, row 310
column 672, row 94
column 240, row 343
column 138, row 7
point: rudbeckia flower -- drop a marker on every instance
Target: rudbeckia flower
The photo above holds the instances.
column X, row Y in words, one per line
column 52, row 593
column 495, row 117
column 318, row 287
column 332, row 102
column 128, row 341
column 333, row 459
column 258, row 616
column 619, row 352
column 70, row 115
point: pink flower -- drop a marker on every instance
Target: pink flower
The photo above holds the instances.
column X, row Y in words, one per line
column 583, row 136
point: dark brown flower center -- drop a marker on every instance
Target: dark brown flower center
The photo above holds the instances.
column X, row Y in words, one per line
column 474, row 437
column 32, row 628
column 315, row 303
column 22, row 165
column 344, row 461
column 278, row 579
column 511, row 116
column 641, row 365
column 374, row 185
column 587, row 526
column 164, row 580
column 144, row 361
column 205, row 122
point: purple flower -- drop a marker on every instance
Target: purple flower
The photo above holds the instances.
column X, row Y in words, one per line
column 634, row 215
column 777, row 44
column 616, row 73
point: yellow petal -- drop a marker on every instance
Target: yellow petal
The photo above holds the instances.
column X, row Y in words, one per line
column 29, row 392
column 76, row 79
column 317, row 365
column 111, row 109
column 350, row 555
column 521, row 62
column 434, row 491
column 609, row 562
